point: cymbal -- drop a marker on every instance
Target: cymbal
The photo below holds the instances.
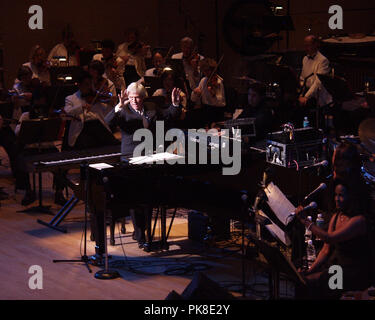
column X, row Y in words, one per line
column 366, row 132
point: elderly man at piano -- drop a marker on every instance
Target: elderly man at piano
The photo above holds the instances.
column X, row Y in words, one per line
column 87, row 126
column 133, row 113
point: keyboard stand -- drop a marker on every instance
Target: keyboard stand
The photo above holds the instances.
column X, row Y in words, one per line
column 61, row 215
column 39, row 208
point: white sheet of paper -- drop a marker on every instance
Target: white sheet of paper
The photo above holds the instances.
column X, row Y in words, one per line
column 164, row 156
column 279, row 203
column 100, row 166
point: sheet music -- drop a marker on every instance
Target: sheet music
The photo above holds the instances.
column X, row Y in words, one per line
column 100, row 166
column 275, row 230
column 279, row 203
column 165, row 156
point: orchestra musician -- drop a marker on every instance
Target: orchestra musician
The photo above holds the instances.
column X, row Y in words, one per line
column 39, row 65
column 313, row 63
column 259, row 109
column 114, row 65
column 8, row 142
column 169, row 82
column 190, row 59
column 22, row 90
column 133, row 113
column 210, row 92
column 158, row 62
column 68, row 49
column 38, row 109
column 103, row 86
column 87, row 128
column 133, row 52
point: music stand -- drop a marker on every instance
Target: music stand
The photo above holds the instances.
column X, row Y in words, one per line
column 152, row 84
column 246, row 125
column 38, row 131
column 279, row 263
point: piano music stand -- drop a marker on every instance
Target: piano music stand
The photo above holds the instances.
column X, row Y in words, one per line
column 38, row 131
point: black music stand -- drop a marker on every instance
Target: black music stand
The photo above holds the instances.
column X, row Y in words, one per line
column 279, row 263
column 38, row 131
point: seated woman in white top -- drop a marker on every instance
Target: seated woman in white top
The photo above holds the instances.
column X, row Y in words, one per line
column 39, row 65
column 169, row 81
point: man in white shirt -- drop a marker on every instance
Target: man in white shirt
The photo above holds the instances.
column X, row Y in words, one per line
column 114, row 65
column 65, row 49
column 87, row 128
column 190, row 61
column 314, row 63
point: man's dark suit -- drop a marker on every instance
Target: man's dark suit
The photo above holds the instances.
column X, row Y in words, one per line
column 129, row 121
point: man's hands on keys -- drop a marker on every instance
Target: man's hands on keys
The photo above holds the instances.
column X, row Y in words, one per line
column 176, row 97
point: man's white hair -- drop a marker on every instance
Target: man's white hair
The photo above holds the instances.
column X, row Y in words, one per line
column 138, row 89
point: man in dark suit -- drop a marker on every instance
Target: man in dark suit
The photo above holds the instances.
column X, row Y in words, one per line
column 133, row 113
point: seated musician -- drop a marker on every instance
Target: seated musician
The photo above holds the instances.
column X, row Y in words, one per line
column 133, row 52
column 169, row 82
column 39, row 109
column 39, row 65
column 158, row 63
column 345, row 244
column 114, row 66
column 8, row 142
column 22, row 89
column 190, row 60
column 131, row 114
column 102, row 85
column 87, row 128
column 313, row 63
column 67, row 49
column 259, row 109
column 210, row 91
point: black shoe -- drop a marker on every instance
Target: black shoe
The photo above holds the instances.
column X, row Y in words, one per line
column 141, row 244
column 60, row 199
column 29, row 198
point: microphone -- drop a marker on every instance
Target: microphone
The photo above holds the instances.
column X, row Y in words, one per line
column 313, row 193
column 312, row 205
column 323, row 163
